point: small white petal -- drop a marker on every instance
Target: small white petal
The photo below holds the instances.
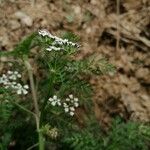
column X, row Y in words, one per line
column 53, row 103
column 76, row 104
column 19, row 92
column 65, row 105
column 66, row 109
column 59, row 104
column 50, row 99
column 49, row 49
column 55, row 97
column 19, row 75
column 72, row 109
column 19, row 85
column 9, row 72
column 76, row 99
column 25, row 92
column 43, row 32
column 26, row 86
column 67, row 99
column 71, row 96
column 71, row 113
column 16, row 72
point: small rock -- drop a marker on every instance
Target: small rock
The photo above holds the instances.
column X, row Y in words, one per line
column 88, row 30
column 142, row 73
column 24, row 18
column 14, row 24
column 4, row 40
column 77, row 10
column 94, row 2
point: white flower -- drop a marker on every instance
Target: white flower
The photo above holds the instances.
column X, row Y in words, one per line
column 71, row 96
column 65, row 105
column 4, row 79
column 9, row 72
column 70, row 103
column 57, row 41
column 55, row 101
column 76, row 104
column 76, row 99
column 58, row 102
column 50, row 99
column 26, row 86
column 9, row 80
column 71, row 113
column 55, row 97
column 13, row 75
column 21, row 89
column 66, row 109
column 67, row 99
column 72, row 109
column 43, row 32
column 50, row 48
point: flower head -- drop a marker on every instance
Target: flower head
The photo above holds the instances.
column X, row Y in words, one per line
column 9, row 80
column 57, row 43
column 55, row 101
column 69, row 104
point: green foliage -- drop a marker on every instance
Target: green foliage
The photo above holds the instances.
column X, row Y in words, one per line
column 61, row 75
column 70, row 36
column 128, row 136
column 13, row 123
column 23, row 48
column 122, row 136
column 87, row 138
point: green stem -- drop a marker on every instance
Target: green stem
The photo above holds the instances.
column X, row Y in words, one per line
column 23, row 108
column 33, row 90
column 35, row 102
column 41, row 141
column 33, row 146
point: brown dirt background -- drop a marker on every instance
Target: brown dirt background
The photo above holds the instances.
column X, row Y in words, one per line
column 125, row 93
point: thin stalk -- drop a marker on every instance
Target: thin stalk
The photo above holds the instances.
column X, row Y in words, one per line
column 30, row 73
column 23, row 108
column 118, row 29
column 33, row 146
column 41, row 141
column 35, row 102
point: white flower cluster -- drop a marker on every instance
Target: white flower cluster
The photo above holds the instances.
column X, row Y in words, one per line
column 58, row 42
column 9, row 80
column 55, row 101
column 69, row 104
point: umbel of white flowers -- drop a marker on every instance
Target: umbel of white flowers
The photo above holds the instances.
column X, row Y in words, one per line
column 57, row 43
column 9, row 80
column 69, row 104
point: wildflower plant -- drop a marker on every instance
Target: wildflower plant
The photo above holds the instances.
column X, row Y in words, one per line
column 57, row 87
